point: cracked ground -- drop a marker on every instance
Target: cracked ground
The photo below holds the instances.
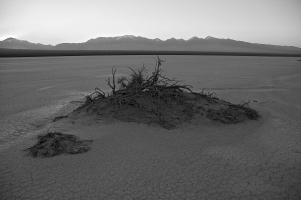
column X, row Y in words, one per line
column 253, row 160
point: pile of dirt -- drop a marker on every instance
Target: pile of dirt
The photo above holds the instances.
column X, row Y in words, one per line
column 157, row 99
column 56, row 143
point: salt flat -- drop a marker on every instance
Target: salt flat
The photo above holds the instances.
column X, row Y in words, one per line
column 253, row 160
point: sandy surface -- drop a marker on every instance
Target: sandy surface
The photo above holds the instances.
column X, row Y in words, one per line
column 253, row 160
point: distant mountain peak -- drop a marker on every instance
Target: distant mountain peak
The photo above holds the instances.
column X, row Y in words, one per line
column 210, row 38
column 126, row 36
column 194, row 38
column 9, row 39
column 174, row 39
column 13, row 43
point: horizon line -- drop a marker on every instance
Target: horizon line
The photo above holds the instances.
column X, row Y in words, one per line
column 58, row 53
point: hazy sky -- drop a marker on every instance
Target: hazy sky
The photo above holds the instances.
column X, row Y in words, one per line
column 54, row 21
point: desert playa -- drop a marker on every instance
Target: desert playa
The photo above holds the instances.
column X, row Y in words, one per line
column 255, row 159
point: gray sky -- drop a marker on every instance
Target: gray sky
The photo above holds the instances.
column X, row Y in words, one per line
column 54, row 21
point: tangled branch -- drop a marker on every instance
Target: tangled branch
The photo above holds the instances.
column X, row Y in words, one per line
column 159, row 98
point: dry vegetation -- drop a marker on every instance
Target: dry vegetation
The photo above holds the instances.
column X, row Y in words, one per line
column 157, row 99
column 56, row 143
column 148, row 99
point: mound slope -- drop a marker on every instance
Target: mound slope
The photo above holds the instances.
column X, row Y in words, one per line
column 157, row 99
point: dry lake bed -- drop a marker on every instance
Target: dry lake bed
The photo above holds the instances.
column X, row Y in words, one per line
column 253, row 160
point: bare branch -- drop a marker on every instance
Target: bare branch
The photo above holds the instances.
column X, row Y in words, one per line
column 113, row 85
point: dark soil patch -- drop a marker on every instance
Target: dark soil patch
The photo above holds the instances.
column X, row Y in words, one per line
column 56, row 143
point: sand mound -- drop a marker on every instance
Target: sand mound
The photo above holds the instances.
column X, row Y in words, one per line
column 56, row 143
column 158, row 99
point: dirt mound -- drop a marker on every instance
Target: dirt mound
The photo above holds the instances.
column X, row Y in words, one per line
column 157, row 99
column 56, row 143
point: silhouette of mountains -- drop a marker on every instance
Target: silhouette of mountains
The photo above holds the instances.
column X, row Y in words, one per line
column 12, row 43
column 130, row 42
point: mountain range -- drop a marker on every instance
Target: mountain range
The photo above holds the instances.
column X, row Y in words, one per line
column 130, row 42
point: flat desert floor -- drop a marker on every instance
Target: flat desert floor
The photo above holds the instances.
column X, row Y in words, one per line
column 252, row 160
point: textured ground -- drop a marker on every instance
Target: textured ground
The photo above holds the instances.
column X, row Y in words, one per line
column 255, row 160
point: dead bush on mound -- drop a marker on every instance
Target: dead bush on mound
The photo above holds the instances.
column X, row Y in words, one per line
column 56, row 143
column 157, row 99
